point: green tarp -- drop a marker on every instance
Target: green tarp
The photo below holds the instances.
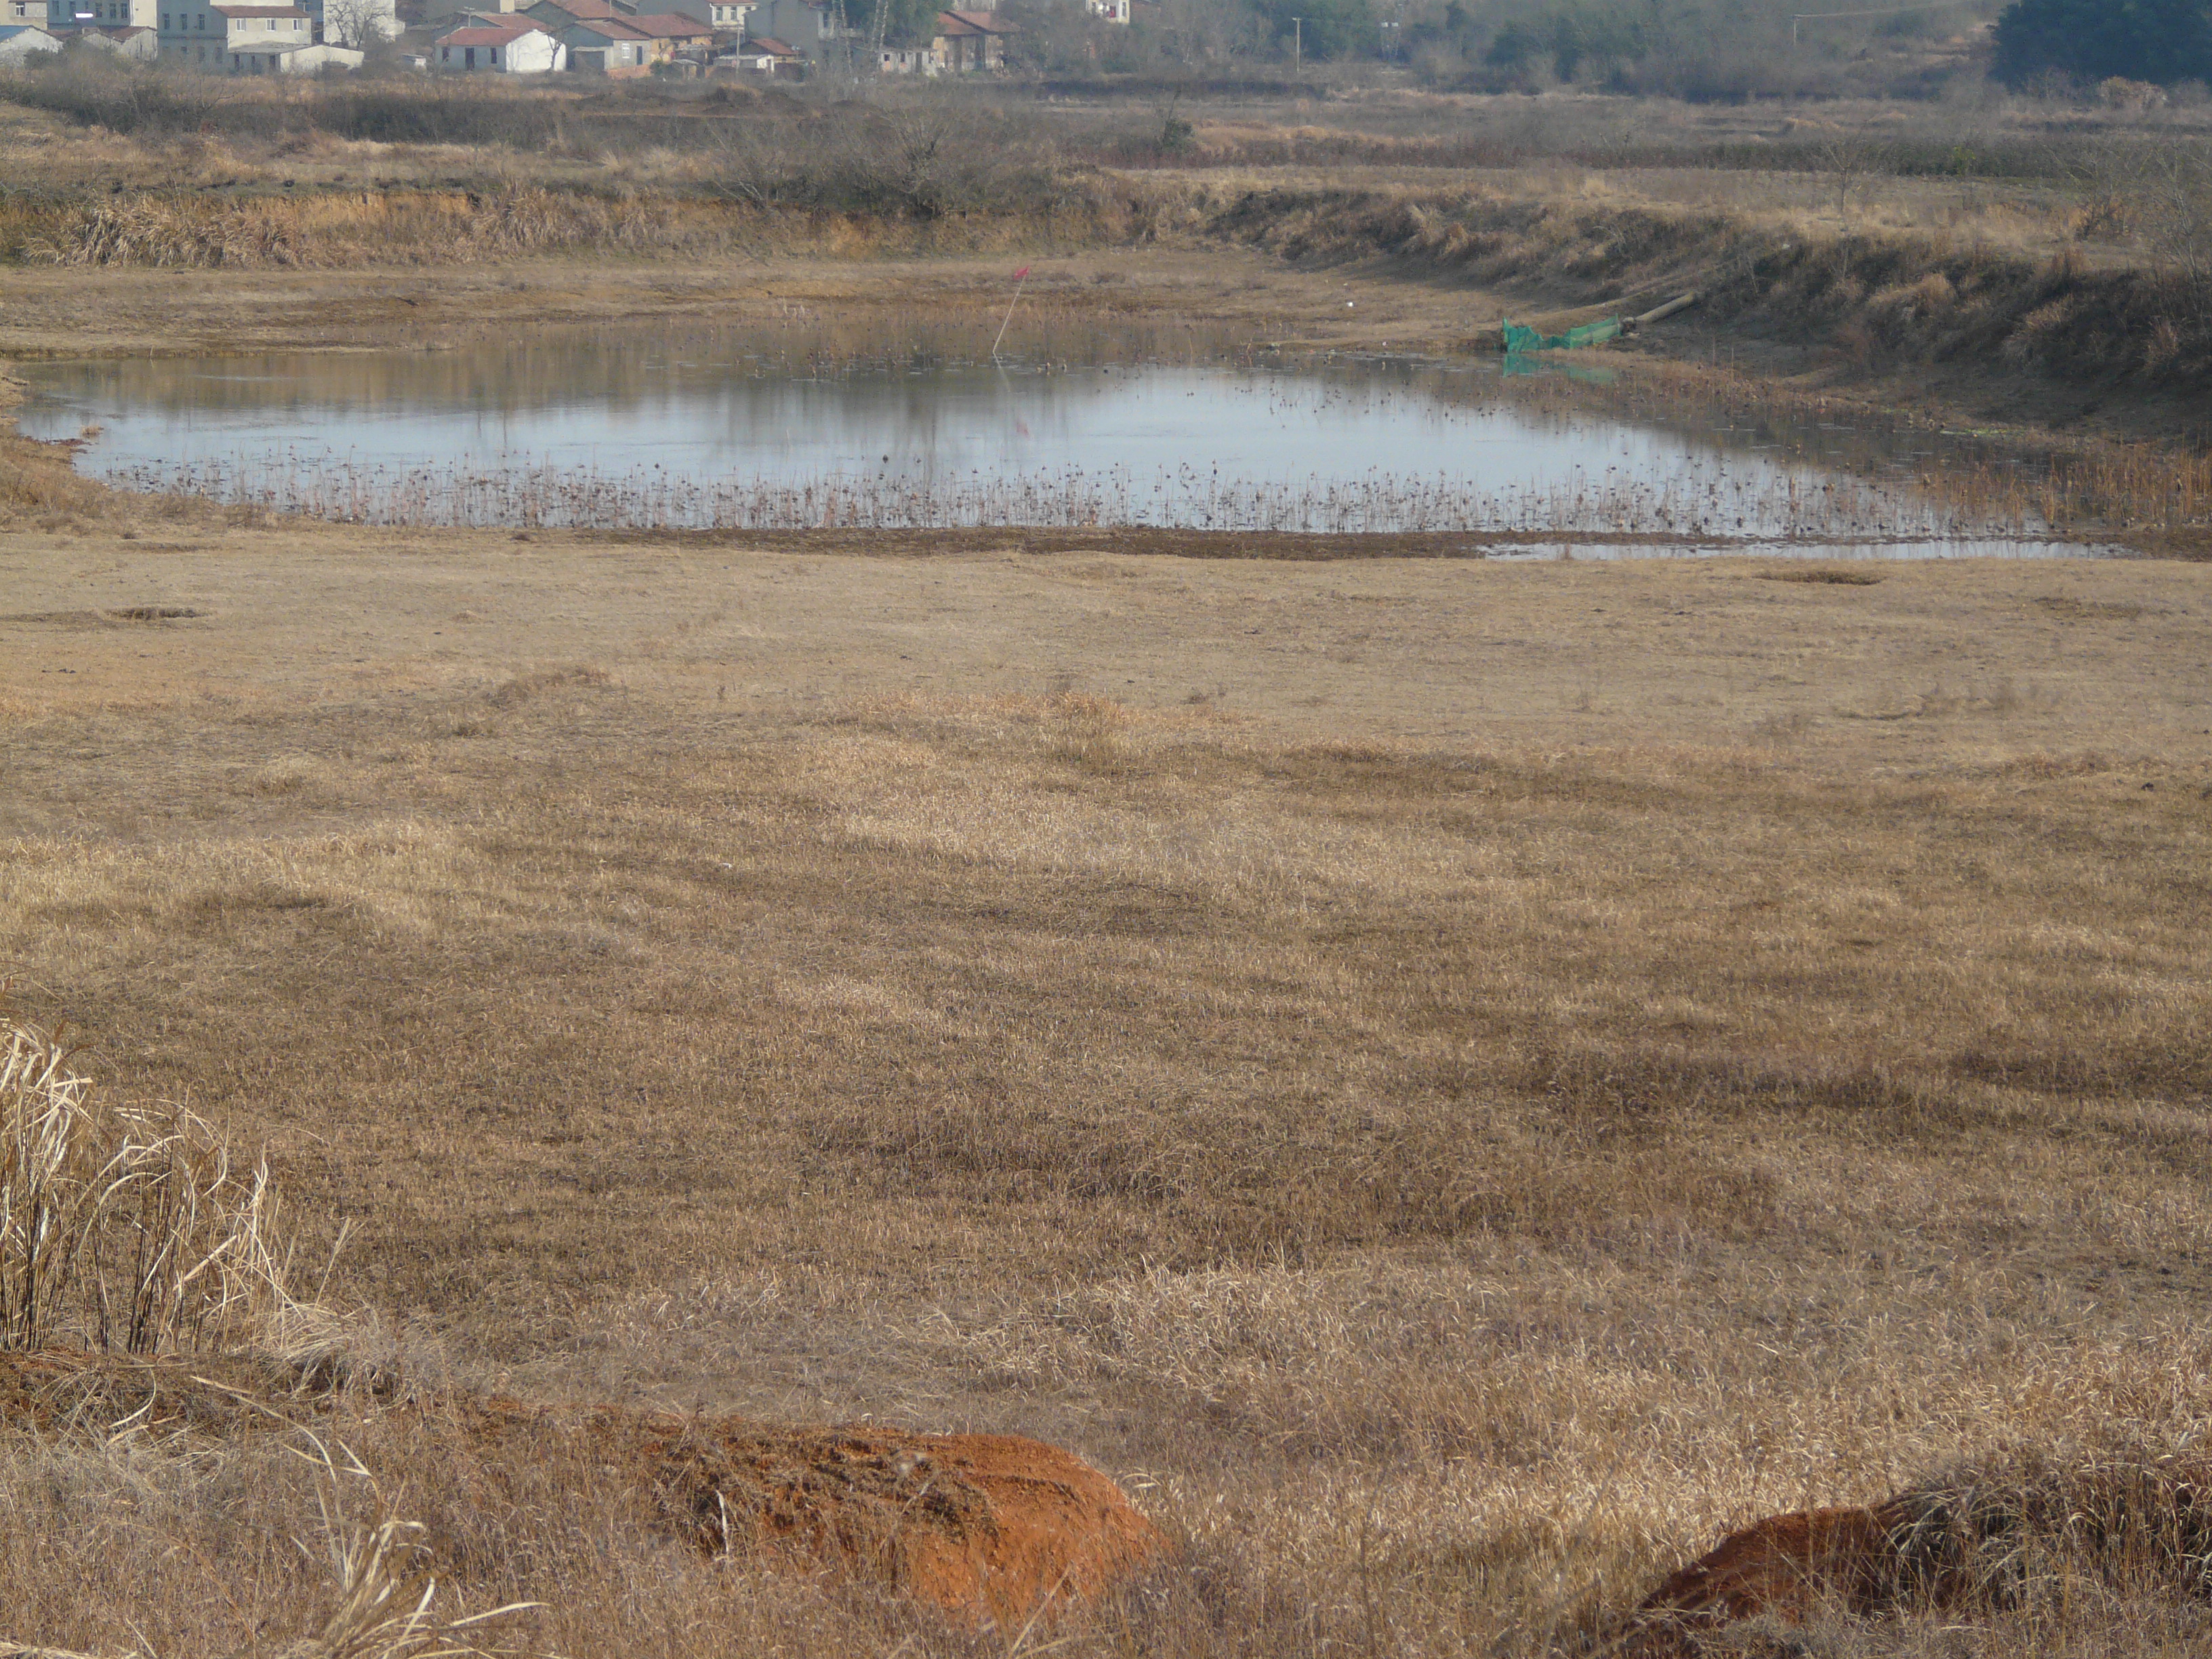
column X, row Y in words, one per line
column 1518, row 338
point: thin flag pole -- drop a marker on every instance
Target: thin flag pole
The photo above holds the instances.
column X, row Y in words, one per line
column 1020, row 276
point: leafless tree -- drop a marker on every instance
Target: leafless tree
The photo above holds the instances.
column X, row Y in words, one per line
column 360, row 24
column 1848, row 157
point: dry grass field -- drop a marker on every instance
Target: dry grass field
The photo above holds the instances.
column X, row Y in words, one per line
column 1456, row 1082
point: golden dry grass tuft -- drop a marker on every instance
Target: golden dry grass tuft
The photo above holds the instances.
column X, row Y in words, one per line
column 126, row 1228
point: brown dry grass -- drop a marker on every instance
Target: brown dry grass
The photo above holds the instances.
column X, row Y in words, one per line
column 1457, row 1083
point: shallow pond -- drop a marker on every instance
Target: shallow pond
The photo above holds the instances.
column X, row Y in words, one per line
column 793, row 427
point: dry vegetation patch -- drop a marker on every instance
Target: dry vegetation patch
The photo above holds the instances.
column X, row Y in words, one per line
column 121, row 1228
column 1455, row 1179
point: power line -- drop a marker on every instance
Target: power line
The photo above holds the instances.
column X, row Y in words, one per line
column 1797, row 17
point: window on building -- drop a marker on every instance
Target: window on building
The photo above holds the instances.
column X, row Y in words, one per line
column 495, row 54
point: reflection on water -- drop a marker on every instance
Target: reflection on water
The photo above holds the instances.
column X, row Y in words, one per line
column 798, row 427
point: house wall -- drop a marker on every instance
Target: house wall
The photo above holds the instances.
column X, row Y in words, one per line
column 528, row 53
column 809, row 30
column 16, row 48
column 195, row 33
column 59, row 15
column 590, row 52
column 145, row 47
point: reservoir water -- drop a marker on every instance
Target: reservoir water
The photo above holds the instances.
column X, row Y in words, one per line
column 636, row 428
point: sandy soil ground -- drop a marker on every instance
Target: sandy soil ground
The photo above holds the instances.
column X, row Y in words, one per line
column 1422, row 651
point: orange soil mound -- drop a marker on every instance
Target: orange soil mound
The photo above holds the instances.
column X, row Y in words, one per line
column 1784, row 1566
column 990, row 1528
column 987, row 1527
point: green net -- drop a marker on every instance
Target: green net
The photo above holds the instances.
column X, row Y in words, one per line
column 1519, row 338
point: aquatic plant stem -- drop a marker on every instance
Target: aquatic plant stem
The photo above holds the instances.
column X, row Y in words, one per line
column 1020, row 276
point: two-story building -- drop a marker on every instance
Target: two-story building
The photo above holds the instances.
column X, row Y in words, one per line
column 231, row 40
column 58, row 16
column 810, row 27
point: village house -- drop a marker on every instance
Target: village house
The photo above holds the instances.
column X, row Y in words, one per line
column 144, row 45
column 674, row 32
column 967, row 41
column 1110, row 11
column 723, row 16
column 809, row 27
column 764, row 55
column 231, row 40
column 608, row 46
column 557, row 15
column 19, row 42
column 512, row 46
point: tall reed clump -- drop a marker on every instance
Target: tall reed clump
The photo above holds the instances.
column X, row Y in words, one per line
column 127, row 1229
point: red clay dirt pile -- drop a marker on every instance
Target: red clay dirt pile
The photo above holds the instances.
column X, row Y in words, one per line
column 1991, row 1534
column 988, row 1529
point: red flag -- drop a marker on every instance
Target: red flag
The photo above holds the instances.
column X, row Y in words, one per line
column 1022, row 272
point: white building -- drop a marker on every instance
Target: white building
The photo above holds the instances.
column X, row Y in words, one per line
column 310, row 60
column 231, row 40
column 1110, row 11
column 250, row 39
column 519, row 47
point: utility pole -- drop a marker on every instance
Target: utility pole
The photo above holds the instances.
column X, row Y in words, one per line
column 1297, row 47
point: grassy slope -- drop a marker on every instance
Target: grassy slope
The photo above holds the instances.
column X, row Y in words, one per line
column 1460, row 1082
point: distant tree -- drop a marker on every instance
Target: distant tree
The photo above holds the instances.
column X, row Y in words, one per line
column 2158, row 40
column 361, row 24
column 905, row 22
column 1603, row 40
column 1326, row 29
column 1513, row 48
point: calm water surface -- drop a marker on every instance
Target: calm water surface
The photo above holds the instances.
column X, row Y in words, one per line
column 793, row 427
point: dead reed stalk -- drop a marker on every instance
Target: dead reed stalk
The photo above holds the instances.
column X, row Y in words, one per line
column 127, row 1228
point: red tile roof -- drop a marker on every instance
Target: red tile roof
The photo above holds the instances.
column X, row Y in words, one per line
column 481, row 37
column 610, row 29
column 767, row 45
column 510, row 24
column 970, row 22
column 668, row 26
